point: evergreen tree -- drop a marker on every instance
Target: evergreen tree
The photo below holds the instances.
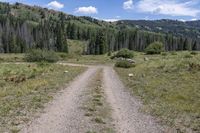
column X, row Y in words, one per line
column 186, row 45
column 100, row 43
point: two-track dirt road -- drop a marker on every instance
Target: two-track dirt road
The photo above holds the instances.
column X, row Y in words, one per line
column 64, row 115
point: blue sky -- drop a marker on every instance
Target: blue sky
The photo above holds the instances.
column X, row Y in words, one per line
column 124, row 9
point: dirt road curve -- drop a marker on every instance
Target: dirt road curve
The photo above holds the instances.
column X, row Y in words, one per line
column 63, row 114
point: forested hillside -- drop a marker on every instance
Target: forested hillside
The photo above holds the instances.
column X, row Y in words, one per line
column 179, row 28
column 23, row 27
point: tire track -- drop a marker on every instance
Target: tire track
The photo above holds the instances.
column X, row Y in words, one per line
column 125, row 107
column 64, row 114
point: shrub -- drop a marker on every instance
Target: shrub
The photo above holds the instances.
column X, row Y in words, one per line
column 109, row 53
column 164, row 53
column 194, row 53
column 155, row 48
column 188, row 56
column 42, row 64
column 173, row 53
column 62, row 56
column 124, row 64
column 38, row 55
column 124, row 53
column 194, row 66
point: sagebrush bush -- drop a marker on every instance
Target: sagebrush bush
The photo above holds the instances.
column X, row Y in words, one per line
column 155, row 48
column 124, row 64
column 124, row 53
column 38, row 55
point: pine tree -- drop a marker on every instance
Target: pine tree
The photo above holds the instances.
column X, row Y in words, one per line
column 194, row 47
column 186, row 45
column 100, row 43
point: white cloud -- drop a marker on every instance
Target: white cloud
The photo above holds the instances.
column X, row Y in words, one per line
column 111, row 20
column 87, row 10
column 146, row 18
column 55, row 5
column 182, row 20
column 118, row 16
column 166, row 7
column 127, row 5
column 194, row 19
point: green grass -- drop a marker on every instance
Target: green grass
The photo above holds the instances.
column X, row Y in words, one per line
column 169, row 88
column 96, row 107
column 76, row 48
column 11, row 58
column 24, row 88
column 99, row 120
column 75, row 55
column 90, row 60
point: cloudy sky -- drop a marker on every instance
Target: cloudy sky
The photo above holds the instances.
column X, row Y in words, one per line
column 124, row 9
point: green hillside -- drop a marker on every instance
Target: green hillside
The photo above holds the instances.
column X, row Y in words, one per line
column 24, row 27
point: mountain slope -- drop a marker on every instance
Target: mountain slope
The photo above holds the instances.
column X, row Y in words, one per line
column 175, row 27
column 23, row 27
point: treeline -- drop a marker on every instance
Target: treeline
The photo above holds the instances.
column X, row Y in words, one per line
column 18, row 35
column 102, row 40
column 21, row 31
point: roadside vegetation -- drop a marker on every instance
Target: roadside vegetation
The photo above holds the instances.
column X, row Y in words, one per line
column 124, row 58
column 168, row 86
column 24, row 88
column 124, row 64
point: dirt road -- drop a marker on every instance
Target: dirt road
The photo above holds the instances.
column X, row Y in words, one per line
column 64, row 115
column 125, row 107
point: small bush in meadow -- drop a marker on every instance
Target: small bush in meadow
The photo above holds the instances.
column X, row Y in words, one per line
column 173, row 53
column 188, row 56
column 164, row 53
column 194, row 66
column 123, row 53
column 194, row 53
column 155, row 48
column 62, row 55
column 38, row 55
column 109, row 53
column 124, row 64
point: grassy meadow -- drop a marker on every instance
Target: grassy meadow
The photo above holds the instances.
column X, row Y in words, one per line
column 25, row 88
column 11, row 58
column 76, row 54
column 169, row 86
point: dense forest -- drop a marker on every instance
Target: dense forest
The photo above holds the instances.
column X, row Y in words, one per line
column 24, row 27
